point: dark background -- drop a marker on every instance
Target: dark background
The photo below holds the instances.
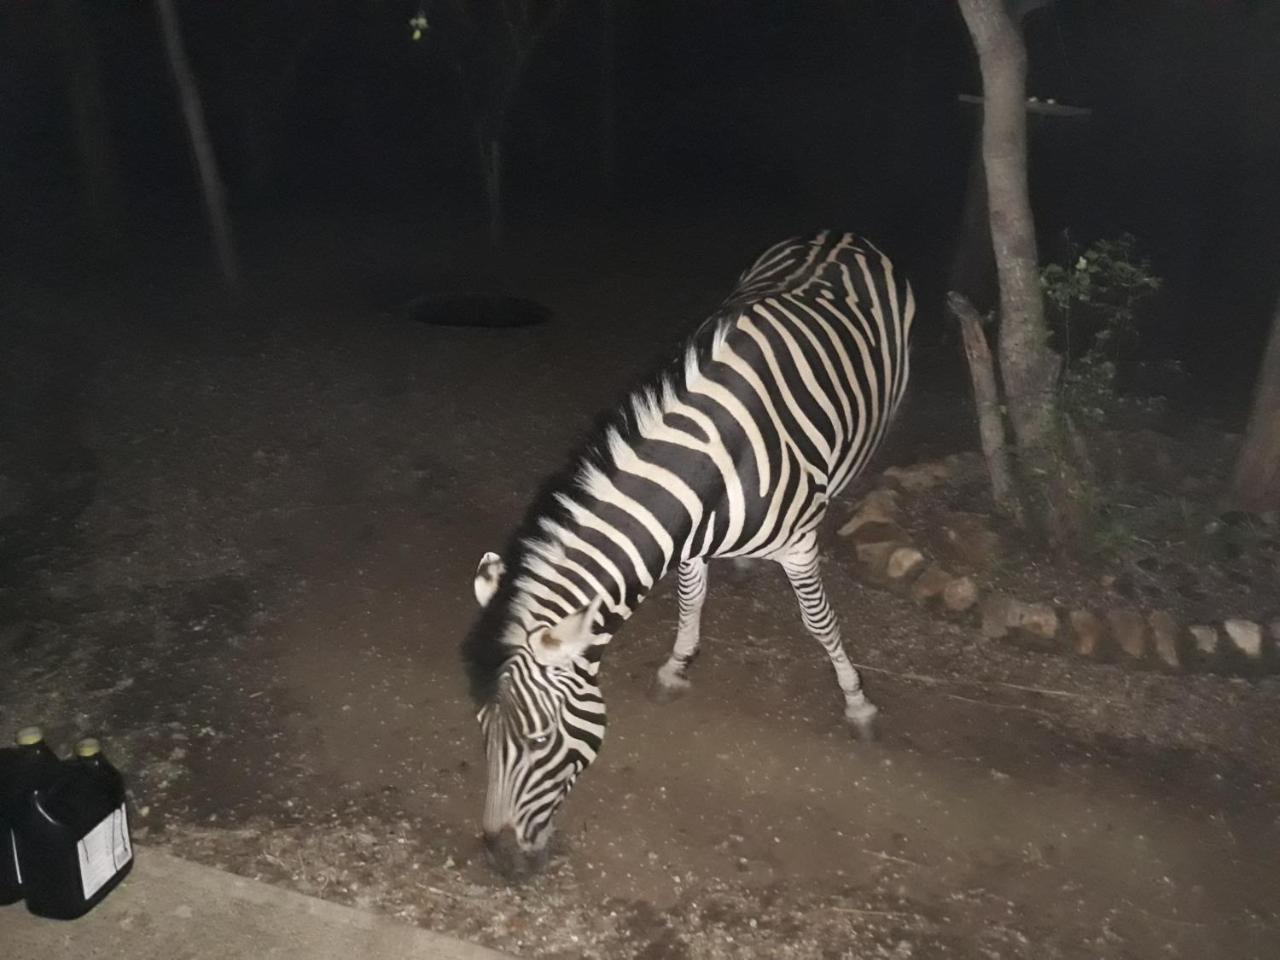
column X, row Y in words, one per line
column 802, row 113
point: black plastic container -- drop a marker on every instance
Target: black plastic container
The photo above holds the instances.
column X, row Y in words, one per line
column 23, row 768
column 72, row 835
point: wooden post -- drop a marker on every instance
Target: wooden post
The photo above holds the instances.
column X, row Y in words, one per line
column 986, row 398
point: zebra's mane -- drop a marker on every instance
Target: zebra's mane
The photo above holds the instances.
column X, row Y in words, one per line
column 486, row 648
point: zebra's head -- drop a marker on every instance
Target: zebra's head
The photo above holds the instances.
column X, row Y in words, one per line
column 542, row 726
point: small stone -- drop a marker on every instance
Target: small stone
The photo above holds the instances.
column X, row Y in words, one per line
column 1205, row 638
column 921, row 476
column 1087, row 632
column 864, row 516
column 960, row 594
column 1164, row 633
column 881, row 498
column 1038, row 619
column 969, row 541
column 903, row 562
column 874, row 558
column 880, row 532
column 1130, row 631
column 930, row 584
column 1245, row 635
column 995, row 615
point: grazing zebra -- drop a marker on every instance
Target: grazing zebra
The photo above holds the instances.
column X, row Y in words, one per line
column 734, row 450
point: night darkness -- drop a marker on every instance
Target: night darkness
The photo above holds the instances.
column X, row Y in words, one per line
column 239, row 523
column 797, row 113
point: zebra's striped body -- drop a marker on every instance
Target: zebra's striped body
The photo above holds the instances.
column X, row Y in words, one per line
column 776, row 402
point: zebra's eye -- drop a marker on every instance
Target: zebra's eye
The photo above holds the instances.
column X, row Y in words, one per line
column 538, row 740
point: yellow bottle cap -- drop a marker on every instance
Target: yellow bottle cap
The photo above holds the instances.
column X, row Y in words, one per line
column 88, row 747
column 29, row 736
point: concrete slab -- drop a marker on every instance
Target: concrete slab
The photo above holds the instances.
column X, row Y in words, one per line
column 171, row 909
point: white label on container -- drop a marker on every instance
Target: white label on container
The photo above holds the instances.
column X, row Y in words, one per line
column 104, row 851
column 17, row 867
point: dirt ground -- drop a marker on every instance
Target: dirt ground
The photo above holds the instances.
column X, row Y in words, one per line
column 242, row 553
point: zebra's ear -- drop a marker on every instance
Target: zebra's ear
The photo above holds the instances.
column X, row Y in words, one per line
column 569, row 638
column 488, row 576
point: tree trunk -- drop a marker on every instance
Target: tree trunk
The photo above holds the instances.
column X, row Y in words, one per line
column 215, row 200
column 1256, row 483
column 1051, row 472
column 99, row 185
column 1027, row 365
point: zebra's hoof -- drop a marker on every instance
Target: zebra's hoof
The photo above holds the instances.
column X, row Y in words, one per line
column 666, row 691
column 863, row 725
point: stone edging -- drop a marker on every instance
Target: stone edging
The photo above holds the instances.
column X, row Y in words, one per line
column 887, row 557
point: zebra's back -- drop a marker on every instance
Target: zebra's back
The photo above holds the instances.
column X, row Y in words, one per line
column 806, row 366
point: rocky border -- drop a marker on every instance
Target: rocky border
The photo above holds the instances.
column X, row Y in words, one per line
column 886, row 556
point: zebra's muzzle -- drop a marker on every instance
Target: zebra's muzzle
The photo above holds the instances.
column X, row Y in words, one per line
column 507, row 856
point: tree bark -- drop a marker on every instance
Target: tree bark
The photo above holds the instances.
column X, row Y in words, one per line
column 1027, row 365
column 1051, row 473
column 986, row 399
column 215, row 200
column 1255, row 485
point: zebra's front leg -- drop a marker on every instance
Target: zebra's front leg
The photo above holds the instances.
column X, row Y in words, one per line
column 801, row 565
column 691, row 585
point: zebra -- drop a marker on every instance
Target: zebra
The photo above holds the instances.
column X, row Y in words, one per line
column 734, row 450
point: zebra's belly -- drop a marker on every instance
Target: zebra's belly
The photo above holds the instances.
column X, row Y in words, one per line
column 772, row 535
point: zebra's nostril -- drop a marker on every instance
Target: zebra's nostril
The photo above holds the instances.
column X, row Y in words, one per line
column 505, row 855
column 501, row 843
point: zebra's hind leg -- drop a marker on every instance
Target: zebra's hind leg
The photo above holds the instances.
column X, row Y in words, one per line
column 801, row 565
column 691, row 584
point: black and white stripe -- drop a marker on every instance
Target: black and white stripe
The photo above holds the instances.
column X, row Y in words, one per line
column 774, row 404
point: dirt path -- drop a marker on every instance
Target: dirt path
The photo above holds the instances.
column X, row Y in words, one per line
column 256, row 585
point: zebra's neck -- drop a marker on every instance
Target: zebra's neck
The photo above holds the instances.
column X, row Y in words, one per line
column 625, row 519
